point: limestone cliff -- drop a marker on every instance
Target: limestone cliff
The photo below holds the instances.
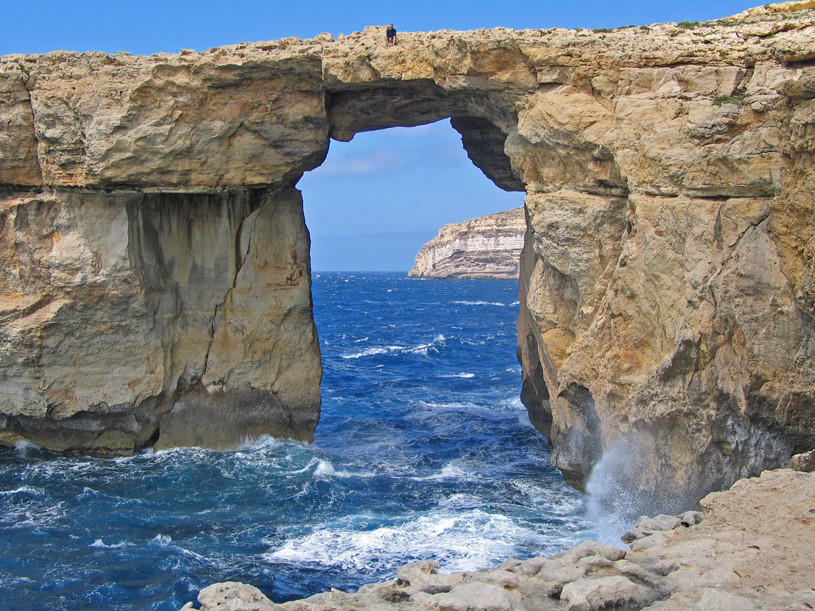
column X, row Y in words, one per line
column 155, row 260
column 484, row 247
column 135, row 308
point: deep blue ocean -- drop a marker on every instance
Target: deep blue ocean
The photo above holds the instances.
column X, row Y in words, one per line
column 423, row 451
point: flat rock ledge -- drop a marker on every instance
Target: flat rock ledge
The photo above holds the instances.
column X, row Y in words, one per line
column 752, row 550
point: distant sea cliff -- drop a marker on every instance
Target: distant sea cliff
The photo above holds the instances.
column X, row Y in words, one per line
column 485, row 247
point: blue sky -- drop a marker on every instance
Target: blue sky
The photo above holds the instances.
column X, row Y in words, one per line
column 378, row 198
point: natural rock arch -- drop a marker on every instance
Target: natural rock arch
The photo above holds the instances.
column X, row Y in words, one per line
column 157, row 275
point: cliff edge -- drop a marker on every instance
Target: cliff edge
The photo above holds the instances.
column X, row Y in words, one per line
column 484, row 247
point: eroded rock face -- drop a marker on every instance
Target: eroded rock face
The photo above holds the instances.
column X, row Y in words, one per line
column 484, row 247
column 156, row 264
column 126, row 314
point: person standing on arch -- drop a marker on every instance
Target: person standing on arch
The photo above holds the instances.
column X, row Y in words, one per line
column 390, row 35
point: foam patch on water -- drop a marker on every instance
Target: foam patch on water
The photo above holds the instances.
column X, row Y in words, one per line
column 33, row 514
column 22, row 490
column 88, row 493
column 481, row 303
column 324, row 469
column 307, row 467
column 100, row 544
column 444, row 410
column 395, row 349
column 555, row 501
column 161, row 540
column 370, row 352
column 462, row 501
column 462, row 541
column 259, row 444
column 454, row 470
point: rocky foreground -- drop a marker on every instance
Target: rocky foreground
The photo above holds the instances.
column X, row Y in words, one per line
column 751, row 550
column 485, row 247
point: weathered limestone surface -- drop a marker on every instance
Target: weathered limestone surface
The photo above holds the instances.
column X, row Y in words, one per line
column 126, row 312
column 747, row 553
column 156, row 282
column 484, row 247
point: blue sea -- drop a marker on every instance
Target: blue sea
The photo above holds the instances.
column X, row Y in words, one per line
column 423, row 451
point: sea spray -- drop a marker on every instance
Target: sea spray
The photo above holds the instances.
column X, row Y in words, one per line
column 616, row 496
column 611, row 507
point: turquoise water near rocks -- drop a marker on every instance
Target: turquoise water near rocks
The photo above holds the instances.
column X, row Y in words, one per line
column 423, row 451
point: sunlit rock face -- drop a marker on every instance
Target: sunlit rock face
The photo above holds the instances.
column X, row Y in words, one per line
column 484, row 247
column 130, row 315
column 155, row 282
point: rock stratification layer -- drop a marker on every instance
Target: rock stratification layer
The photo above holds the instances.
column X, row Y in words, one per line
column 155, row 261
column 485, row 247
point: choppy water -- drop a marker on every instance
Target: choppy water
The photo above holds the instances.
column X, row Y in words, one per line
column 423, row 451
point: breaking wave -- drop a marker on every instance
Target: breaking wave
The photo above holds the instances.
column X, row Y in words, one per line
column 395, row 349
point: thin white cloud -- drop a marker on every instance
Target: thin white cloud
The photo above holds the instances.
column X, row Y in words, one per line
column 384, row 160
column 364, row 163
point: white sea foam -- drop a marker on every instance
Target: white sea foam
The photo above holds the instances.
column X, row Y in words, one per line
column 461, row 374
column 462, row 540
column 324, row 469
column 22, row 490
column 391, row 349
column 554, row 499
column 420, row 349
column 197, row 556
column 100, row 544
column 88, row 493
column 454, row 470
column 308, row 466
column 33, row 514
column 257, row 444
column 480, row 303
column 441, row 406
column 162, row 540
column 462, row 501
column 428, row 409
column 370, row 352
